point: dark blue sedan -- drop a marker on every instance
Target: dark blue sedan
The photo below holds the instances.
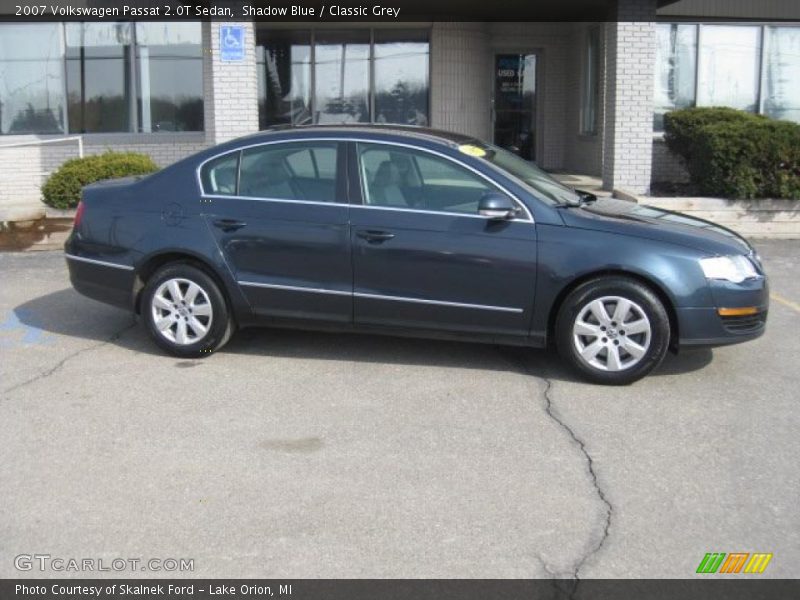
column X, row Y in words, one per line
column 413, row 232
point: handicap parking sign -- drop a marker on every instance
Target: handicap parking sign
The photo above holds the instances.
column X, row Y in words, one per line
column 231, row 42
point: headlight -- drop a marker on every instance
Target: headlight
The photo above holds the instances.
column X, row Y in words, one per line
column 730, row 268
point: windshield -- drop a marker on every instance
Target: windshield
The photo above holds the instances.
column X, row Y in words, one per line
column 544, row 186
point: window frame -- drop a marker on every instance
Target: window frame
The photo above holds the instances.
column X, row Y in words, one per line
column 590, row 86
column 339, row 177
column 360, row 195
column 347, row 164
column 131, row 76
column 371, row 91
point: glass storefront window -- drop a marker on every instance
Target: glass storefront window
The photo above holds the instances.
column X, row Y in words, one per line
column 782, row 76
column 169, row 68
column 590, row 85
column 722, row 65
column 99, row 85
column 676, row 61
column 401, row 76
column 353, row 76
column 31, row 78
column 729, row 66
column 101, row 77
column 284, row 77
column 341, row 77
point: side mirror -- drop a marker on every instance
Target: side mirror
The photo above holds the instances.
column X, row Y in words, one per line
column 497, row 206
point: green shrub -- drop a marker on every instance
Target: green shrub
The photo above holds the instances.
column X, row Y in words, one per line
column 736, row 154
column 63, row 188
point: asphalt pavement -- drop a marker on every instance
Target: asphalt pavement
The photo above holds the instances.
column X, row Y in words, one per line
column 299, row 454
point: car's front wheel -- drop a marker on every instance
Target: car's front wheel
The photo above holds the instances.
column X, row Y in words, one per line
column 613, row 330
column 185, row 311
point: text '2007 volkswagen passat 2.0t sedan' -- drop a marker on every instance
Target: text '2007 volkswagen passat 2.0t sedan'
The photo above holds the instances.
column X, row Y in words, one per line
column 415, row 232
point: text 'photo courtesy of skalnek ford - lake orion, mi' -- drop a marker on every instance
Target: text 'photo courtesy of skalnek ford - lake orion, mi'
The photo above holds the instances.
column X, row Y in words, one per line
column 400, row 300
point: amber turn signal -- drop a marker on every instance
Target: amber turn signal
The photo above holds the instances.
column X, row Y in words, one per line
column 738, row 312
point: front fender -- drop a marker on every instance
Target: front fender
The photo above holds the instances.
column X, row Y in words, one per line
column 567, row 255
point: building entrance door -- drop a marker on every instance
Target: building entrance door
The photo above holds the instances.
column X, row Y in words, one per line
column 515, row 103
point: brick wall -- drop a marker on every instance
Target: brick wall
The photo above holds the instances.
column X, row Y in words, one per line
column 583, row 152
column 461, row 81
column 230, row 88
column 628, row 127
column 667, row 166
column 23, row 170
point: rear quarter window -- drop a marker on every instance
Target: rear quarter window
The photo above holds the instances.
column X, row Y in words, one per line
column 218, row 176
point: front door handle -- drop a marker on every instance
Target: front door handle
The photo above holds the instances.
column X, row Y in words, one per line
column 374, row 237
column 229, row 224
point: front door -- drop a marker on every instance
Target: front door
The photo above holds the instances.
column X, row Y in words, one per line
column 422, row 256
column 515, row 103
column 280, row 217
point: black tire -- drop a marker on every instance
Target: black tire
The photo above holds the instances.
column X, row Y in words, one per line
column 221, row 324
column 577, row 304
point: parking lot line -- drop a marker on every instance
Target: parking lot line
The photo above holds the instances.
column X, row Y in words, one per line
column 785, row 301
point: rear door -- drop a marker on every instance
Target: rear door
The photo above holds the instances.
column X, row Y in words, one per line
column 279, row 214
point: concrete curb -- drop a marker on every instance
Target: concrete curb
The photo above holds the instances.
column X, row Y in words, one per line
column 768, row 218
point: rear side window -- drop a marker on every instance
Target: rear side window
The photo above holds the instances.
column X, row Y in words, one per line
column 291, row 171
column 219, row 175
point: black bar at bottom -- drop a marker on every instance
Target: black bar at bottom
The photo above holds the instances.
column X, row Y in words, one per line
column 704, row 587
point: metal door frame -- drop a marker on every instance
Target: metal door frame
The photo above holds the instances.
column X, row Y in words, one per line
column 538, row 103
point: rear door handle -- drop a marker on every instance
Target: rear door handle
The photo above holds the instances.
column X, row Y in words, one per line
column 374, row 237
column 229, row 224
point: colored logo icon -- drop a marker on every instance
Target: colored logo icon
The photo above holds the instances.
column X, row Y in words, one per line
column 735, row 562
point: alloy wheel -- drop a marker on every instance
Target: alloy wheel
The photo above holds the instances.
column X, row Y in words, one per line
column 611, row 333
column 182, row 311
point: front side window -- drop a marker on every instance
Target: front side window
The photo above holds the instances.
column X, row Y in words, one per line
column 398, row 177
column 291, row 171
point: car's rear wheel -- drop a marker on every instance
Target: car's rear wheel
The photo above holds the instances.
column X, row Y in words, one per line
column 613, row 330
column 185, row 311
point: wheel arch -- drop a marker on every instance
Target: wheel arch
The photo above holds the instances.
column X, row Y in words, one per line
column 650, row 283
column 154, row 262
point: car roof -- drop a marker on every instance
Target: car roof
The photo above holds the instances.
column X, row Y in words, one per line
column 411, row 131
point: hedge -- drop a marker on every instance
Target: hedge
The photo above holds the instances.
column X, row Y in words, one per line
column 736, row 154
column 63, row 188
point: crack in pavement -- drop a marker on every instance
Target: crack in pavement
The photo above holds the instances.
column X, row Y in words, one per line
column 60, row 364
column 609, row 508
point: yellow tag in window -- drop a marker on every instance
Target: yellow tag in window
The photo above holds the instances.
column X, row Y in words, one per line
column 472, row 150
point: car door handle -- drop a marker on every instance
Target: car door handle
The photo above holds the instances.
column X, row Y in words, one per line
column 375, row 237
column 229, row 224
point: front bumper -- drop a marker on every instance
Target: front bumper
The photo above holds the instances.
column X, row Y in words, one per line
column 705, row 327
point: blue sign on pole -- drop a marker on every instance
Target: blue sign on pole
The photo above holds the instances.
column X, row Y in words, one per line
column 231, row 43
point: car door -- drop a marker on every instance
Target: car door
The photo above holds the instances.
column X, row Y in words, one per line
column 424, row 258
column 279, row 214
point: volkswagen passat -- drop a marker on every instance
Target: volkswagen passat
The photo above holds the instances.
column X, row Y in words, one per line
column 415, row 232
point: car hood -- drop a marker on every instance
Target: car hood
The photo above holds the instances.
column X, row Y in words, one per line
column 628, row 218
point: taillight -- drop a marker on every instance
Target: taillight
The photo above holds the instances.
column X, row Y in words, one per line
column 78, row 214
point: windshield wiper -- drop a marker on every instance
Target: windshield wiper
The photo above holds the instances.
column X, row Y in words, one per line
column 583, row 198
